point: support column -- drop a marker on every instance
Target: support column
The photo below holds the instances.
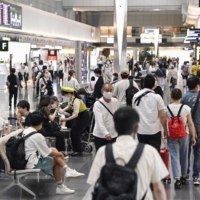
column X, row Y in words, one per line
column 78, row 61
column 120, row 34
column 156, row 42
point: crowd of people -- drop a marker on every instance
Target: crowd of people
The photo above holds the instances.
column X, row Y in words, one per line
column 126, row 115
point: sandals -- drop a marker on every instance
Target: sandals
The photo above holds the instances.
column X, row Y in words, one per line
column 178, row 184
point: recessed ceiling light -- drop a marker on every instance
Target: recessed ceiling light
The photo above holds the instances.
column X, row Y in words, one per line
column 156, row 9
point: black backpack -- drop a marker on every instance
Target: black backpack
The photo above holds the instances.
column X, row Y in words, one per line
column 130, row 92
column 118, row 182
column 48, row 87
column 15, row 151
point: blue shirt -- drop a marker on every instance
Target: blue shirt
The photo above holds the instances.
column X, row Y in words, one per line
column 161, row 73
column 83, row 99
column 190, row 99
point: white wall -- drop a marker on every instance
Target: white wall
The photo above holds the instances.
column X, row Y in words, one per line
column 43, row 23
column 175, row 52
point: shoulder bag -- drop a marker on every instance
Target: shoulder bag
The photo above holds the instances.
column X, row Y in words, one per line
column 106, row 107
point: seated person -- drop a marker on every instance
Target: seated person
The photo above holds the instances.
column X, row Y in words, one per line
column 55, row 103
column 82, row 93
column 49, row 158
column 23, row 109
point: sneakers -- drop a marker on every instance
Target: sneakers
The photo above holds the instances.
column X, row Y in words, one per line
column 64, row 190
column 188, row 177
column 63, row 128
column 196, row 181
column 72, row 173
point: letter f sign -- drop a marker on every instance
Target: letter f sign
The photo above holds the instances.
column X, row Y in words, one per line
column 4, row 46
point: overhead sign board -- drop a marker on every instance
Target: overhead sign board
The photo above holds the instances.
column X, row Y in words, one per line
column 10, row 15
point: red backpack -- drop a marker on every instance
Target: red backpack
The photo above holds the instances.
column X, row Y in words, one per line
column 176, row 125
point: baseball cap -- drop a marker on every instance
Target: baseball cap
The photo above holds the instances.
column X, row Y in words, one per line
column 68, row 89
column 54, row 98
column 125, row 72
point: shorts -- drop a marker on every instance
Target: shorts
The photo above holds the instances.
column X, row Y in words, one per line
column 45, row 164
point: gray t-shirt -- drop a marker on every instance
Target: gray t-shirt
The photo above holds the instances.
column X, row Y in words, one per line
column 190, row 99
column 120, row 90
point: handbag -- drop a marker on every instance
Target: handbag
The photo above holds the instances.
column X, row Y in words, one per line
column 173, row 81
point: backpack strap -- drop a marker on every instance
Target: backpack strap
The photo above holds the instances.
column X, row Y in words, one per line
column 136, row 156
column 170, row 111
column 179, row 112
column 29, row 135
column 109, row 154
column 138, row 99
column 131, row 83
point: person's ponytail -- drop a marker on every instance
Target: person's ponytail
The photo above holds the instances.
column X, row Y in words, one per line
column 71, row 72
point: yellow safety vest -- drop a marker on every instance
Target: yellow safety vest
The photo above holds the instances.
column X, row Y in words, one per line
column 82, row 107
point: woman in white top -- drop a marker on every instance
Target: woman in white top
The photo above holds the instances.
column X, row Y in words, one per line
column 70, row 81
column 60, row 71
column 51, row 69
column 179, row 147
column 172, row 76
column 44, row 82
column 152, row 68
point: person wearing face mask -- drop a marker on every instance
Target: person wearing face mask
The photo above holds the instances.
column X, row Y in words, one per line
column 54, row 104
column 40, row 75
column 107, row 71
column 79, row 120
column 45, row 84
column 104, row 109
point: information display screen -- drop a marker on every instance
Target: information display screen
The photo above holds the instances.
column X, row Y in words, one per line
column 10, row 15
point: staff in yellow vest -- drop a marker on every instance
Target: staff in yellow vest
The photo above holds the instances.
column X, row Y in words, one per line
column 79, row 120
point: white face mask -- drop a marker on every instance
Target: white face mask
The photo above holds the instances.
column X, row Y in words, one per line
column 156, row 83
column 46, row 75
column 67, row 98
column 53, row 106
column 108, row 63
column 107, row 95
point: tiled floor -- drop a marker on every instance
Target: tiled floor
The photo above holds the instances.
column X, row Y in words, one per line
column 45, row 189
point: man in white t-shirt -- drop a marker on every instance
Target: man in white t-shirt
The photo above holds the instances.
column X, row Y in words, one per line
column 104, row 109
column 39, row 156
column 149, row 169
column 121, row 86
column 150, row 107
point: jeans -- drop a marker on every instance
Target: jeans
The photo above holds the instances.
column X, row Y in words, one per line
column 196, row 166
column 172, row 87
column 179, row 156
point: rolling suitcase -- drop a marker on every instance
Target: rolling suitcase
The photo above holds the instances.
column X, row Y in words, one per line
column 164, row 153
